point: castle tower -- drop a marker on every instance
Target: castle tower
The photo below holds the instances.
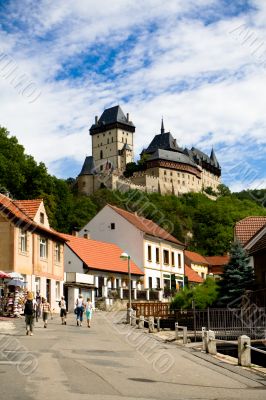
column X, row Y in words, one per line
column 112, row 140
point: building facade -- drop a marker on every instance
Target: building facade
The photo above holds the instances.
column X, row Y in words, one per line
column 29, row 247
column 165, row 167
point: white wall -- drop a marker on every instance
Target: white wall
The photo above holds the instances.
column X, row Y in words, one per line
column 71, row 261
column 125, row 235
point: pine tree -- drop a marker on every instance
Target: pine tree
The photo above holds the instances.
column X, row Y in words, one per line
column 238, row 276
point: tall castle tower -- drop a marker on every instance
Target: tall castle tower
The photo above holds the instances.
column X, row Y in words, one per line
column 112, row 148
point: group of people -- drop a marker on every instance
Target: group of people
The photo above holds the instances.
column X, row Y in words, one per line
column 39, row 306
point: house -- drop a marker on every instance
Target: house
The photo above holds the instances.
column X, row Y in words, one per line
column 251, row 233
column 166, row 167
column 192, row 276
column 217, row 264
column 95, row 269
column 31, row 248
column 197, row 262
column 158, row 254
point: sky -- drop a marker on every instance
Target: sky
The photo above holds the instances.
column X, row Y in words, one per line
column 199, row 64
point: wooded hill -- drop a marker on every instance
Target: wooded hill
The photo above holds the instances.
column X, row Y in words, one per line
column 204, row 225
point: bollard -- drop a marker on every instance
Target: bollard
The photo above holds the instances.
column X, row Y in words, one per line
column 176, row 331
column 141, row 322
column 211, row 343
column 184, row 335
column 158, row 323
column 244, row 353
column 151, row 324
column 133, row 318
column 203, row 330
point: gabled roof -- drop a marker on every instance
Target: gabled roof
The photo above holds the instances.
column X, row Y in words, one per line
column 29, row 207
column 164, row 141
column 172, row 156
column 145, row 225
column 249, row 227
column 100, row 255
column 192, row 275
column 195, row 257
column 14, row 213
column 88, row 166
column 217, row 260
column 111, row 116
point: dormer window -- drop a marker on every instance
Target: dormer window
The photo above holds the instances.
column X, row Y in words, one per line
column 42, row 218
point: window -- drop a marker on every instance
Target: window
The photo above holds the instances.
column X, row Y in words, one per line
column 166, row 257
column 149, row 253
column 42, row 218
column 202, row 275
column 57, row 252
column 112, row 140
column 112, row 226
column 107, row 141
column 157, row 255
column 83, row 184
column 23, row 240
column 158, row 283
column 173, row 259
column 101, row 154
column 122, row 140
column 101, row 167
column 57, row 290
column 150, row 282
column 179, row 260
column 164, row 172
column 43, row 247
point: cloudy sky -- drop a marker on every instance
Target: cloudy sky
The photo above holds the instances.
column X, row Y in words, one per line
column 201, row 64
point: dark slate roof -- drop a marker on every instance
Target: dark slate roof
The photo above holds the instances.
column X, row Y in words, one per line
column 172, row 156
column 214, row 159
column 111, row 116
column 199, row 157
column 88, row 166
column 164, row 141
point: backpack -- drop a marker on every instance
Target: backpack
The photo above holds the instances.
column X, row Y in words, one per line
column 29, row 310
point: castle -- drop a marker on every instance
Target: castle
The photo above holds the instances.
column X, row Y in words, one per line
column 164, row 167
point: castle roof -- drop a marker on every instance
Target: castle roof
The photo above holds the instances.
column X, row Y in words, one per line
column 200, row 157
column 88, row 166
column 164, row 141
column 172, row 156
column 112, row 117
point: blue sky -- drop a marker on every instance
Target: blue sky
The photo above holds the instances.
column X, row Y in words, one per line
column 201, row 64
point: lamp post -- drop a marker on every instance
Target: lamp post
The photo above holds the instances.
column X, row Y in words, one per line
column 125, row 256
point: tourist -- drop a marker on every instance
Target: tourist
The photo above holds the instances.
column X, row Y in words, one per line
column 88, row 306
column 63, row 312
column 29, row 312
column 46, row 309
column 79, row 309
column 38, row 299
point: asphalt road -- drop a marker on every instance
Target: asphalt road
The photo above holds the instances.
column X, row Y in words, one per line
column 110, row 361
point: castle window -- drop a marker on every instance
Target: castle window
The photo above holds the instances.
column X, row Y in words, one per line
column 178, row 174
column 112, row 140
column 104, row 135
column 171, row 173
column 183, row 175
column 127, row 133
column 122, row 139
column 178, row 182
column 165, row 172
column 183, row 183
column 101, row 167
column 101, row 154
column 109, row 133
column 83, row 184
column 107, row 141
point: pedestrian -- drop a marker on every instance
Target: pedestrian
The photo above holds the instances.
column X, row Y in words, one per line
column 29, row 312
column 46, row 309
column 38, row 299
column 88, row 306
column 63, row 312
column 79, row 309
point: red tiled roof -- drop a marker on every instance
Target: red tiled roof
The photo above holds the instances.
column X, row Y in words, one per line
column 100, row 255
column 195, row 257
column 217, row 260
column 13, row 212
column 192, row 275
column 29, row 207
column 248, row 227
column 145, row 225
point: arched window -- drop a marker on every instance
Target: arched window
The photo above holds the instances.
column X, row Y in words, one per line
column 101, row 154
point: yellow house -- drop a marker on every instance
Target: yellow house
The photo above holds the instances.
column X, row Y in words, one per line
column 30, row 247
column 197, row 262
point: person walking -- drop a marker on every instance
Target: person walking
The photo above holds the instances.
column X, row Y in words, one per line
column 29, row 312
column 88, row 306
column 38, row 299
column 80, row 309
column 63, row 312
column 46, row 309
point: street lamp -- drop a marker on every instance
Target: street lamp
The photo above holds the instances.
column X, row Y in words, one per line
column 125, row 256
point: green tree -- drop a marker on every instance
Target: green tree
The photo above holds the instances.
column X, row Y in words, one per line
column 238, row 276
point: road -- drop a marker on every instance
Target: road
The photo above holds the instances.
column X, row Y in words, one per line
column 110, row 361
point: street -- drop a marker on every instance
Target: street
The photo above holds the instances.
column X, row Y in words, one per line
column 110, row 361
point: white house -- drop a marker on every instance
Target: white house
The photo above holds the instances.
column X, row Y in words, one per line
column 157, row 253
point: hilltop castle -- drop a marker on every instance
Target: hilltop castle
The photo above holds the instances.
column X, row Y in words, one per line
column 164, row 167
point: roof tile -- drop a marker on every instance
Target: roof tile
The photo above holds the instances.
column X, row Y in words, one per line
column 195, row 257
column 192, row 275
column 248, row 227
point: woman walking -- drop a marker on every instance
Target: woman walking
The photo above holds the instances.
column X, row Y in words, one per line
column 80, row 309
column 46, row 309
column 89, row 311
column 29, row 312
column 63, row 312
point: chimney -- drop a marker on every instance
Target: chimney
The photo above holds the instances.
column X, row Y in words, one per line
column 127, row 117
column 96, row 119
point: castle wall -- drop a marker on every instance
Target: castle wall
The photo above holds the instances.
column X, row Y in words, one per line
column 210, row 180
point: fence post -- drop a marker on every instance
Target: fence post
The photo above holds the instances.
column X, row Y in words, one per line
column 133, row 318
column 141, row 322
column 176, row 331
column 203, row 330
column 244, row 353
column 211, row 343
column 158, row 323
column 151, row 324
column 184, row 335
